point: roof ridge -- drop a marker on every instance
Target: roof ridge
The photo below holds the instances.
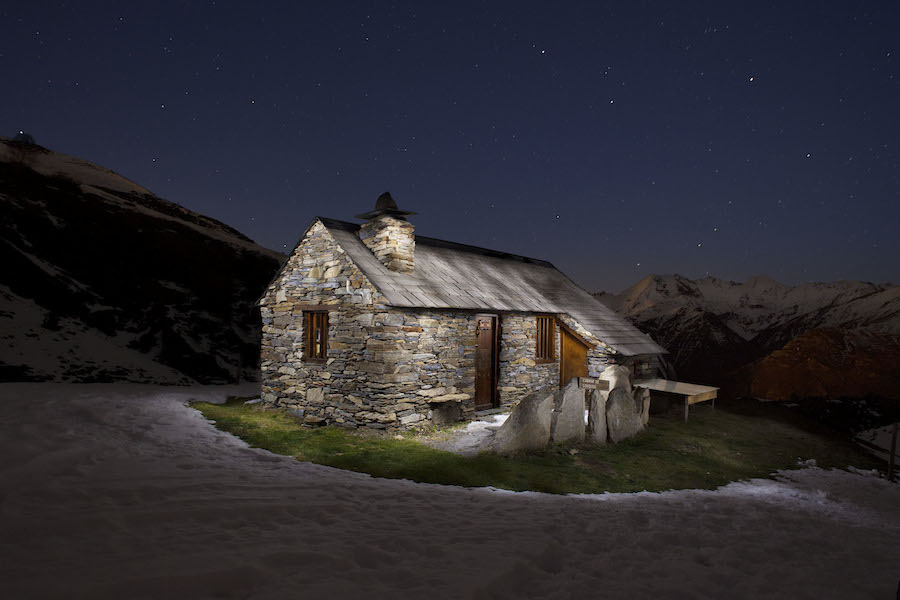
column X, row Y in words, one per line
column 439, row 243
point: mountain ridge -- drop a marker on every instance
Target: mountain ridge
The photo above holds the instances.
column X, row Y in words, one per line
column 104, row 281
column 746, row 336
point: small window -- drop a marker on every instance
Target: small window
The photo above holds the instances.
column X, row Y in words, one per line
column 316, row 330
column 546, row 339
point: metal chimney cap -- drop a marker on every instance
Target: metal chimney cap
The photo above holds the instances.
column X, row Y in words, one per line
column 385, row 206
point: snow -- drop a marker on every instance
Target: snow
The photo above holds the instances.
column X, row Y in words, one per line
column 760, row 303
column 880, row 437
column 112, row 491
column 70, row 350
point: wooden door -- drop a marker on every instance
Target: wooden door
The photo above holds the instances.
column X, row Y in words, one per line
column 486, row 363
column 573, row 357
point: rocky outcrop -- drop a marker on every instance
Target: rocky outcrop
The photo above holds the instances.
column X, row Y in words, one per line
column 528, row 426
column 597, row 430
column 622, row 420
column 567, row 420
column 642, row 403
column 624, row 412
column 558, row 417
column 616, row 376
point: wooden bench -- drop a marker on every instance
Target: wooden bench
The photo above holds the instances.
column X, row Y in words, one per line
column 692, row 392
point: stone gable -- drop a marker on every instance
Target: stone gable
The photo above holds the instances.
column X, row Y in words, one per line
column 387, row 367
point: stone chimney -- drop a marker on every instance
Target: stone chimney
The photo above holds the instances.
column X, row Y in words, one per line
column 389, row 235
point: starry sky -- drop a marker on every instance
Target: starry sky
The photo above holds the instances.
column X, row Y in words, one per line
column 614, row 139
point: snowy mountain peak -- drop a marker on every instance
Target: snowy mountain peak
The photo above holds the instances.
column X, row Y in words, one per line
column 752, row 307
column 743, row 321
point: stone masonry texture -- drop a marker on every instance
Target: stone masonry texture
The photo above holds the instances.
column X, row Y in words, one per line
column 386, row 368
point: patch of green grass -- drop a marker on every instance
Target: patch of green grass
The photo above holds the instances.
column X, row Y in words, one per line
column 712, row 449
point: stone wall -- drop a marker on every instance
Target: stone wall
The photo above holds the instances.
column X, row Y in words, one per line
column 386, row 367
column 392, row 242
column 315, row 275
column 520, row 372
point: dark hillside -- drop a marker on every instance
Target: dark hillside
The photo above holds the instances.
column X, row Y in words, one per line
column 109, row 282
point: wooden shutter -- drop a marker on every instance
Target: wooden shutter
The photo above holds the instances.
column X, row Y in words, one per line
column 546, row 339
column 316, row 332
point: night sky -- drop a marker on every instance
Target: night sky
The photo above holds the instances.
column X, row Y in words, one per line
column 615, row 140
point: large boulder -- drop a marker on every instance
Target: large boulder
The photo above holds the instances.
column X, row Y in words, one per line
column 597, row 417
column 618, row 377
column 528, row 426
column 622, row 419
column 567, row 421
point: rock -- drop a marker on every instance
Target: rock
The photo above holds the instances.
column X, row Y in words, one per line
column 642, row 402
column 439, row 391
column 597, row 417
column 622, row 420
column 618, row 377
column 313, row 420
column 528, row 426
column 449, row 398
column 315, row 395
column 410, row 419
column 393, row 319
column 567, row 421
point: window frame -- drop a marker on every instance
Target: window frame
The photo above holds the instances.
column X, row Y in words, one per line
column 315, row 320
column 545, row 339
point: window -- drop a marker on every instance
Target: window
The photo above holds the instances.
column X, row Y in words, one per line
column 546, row 339
column 316, row 330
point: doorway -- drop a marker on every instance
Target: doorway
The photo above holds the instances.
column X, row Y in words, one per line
column 487, row 340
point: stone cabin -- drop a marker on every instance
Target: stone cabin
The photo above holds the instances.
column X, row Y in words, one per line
column 370, row 325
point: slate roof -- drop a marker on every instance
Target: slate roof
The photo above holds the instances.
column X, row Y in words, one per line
column 451, row 275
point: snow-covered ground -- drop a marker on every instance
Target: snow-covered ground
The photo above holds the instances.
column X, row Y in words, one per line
column 122, row 491
column 880, row 438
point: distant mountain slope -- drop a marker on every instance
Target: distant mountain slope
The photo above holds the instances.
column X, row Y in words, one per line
column 827, row 363
column 784, row 339
column 104, row 281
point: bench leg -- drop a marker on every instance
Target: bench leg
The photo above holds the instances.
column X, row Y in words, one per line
column 686, row 407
